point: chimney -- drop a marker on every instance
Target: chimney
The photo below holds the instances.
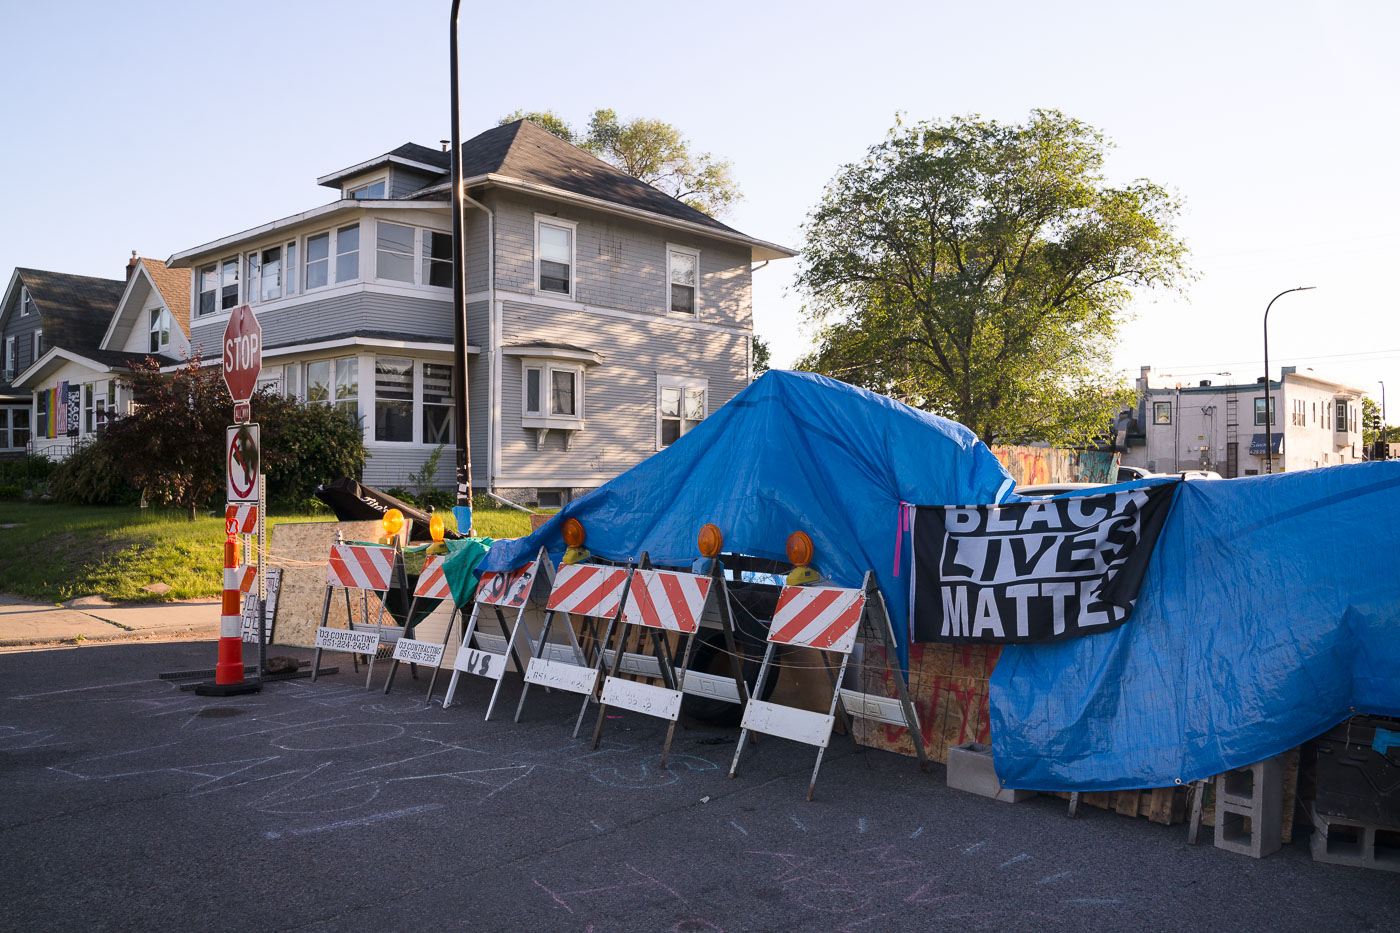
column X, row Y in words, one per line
column 446, row 144
column 131, row 264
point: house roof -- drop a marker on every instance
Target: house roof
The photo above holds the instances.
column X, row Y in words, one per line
column 99, row 361
column 523, row 156
column 74, row 309
column 174, row 288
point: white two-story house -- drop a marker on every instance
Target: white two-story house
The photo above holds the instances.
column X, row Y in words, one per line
column 1314, row 422
column 604, row 318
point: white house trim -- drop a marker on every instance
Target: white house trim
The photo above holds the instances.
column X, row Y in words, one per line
column 554, row 353
column 368, row 164
column 40, row 366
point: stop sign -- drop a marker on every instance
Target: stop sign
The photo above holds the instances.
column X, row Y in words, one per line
column 242, row 353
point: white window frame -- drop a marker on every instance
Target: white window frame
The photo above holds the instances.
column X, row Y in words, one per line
column 694, row 253
column 9, row 358
column 525, row 410
column 36, row 344
column 25, row 301
column 306, row 286
column 415, row 248
column 423, row 255
column 416, row 402
column 195, row 309
column 664, row 381
column 572, row 227
column 162, row 314
column 348, row 192
column 546, row 418
column 359, row 253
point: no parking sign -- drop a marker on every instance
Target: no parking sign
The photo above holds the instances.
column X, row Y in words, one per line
column 242, row 451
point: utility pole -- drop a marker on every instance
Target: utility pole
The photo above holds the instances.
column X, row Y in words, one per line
column 463, row 509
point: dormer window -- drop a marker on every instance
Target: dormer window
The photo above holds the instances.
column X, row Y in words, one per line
column 26, row 302
column 373, row 191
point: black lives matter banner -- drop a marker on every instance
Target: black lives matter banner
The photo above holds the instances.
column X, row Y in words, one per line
column 1033, row 571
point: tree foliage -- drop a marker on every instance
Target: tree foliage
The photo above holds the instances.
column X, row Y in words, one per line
column 761, row 356
column 172, row 444
column 651, row 150
column 1370, row 417
column 980, row 270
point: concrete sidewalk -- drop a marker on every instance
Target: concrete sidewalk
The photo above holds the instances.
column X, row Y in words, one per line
column 90, row 619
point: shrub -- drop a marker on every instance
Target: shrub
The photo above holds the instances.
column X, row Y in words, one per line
column 93, row 475
column 305, row 446
column 30, row 472
column 11, row 492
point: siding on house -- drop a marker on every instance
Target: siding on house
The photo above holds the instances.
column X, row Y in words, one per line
column 20, row 328
column 403, row 181
column 622, row 264
column 353, row 308
column 620, row 394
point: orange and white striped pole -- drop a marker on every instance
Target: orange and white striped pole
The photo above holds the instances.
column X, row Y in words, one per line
column 228, row 672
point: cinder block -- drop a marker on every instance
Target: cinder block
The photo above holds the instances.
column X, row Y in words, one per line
column 1361, row 845
column 970, row 769
column 1249, row 809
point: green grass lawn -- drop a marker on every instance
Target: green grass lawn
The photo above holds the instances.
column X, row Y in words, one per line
column 57, row 552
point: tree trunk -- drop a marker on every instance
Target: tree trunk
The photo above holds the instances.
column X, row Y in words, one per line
column 193, row 511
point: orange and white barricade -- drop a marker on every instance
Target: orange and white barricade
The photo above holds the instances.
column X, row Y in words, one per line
column 828, row 619
column 432, row 584
column 665, row 604
column 368, row 568
column 498, row 592
column 592, row 592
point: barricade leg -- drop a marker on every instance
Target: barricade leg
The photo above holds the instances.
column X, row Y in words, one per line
column 602, row 661
column 538, row 652
column 350, row 621
column 452, row 619
column 378, row 630
column 616, row 666
column 509, row 653
column 325, row 617
column 757, row 691
column 466, row 644
column 394, row 668
column 835, row 705
column 680, row 685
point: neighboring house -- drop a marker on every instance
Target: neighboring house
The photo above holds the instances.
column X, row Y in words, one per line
column 604, row 318
column 1316, row 423
column 75, row 383
column 44, row 314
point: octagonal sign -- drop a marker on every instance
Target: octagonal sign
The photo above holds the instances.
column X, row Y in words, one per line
column 242, row 353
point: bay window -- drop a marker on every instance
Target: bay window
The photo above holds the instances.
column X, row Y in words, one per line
column 437, row 259
column 228, row 284
column 270, row 282
column 335, row 382
column 208, row 289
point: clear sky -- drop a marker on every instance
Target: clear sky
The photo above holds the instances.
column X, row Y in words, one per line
column 157, row 126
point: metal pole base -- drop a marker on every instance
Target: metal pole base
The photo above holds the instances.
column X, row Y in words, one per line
column 227, row 690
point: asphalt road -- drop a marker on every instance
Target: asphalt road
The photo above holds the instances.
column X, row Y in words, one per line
column 128, row 804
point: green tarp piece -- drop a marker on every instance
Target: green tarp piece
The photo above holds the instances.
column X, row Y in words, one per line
column 460, row 566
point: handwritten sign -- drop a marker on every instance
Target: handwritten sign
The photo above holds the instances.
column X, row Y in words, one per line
column 561, row 676
column 481, row 663
column 642, row 698
column 785, row 722
column 418, row 652
column 250, row 608
column 339, row 639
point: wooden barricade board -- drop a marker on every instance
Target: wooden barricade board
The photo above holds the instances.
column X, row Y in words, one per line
column 304, row 546
column 948, row 687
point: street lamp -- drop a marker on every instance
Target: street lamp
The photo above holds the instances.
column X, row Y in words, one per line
column 463, row 509
column 1268, row 396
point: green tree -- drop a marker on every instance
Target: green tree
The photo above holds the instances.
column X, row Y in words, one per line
column 1370, row 417
column 980, row 270
column 651, row 150
column 761, row 356
column 172, row 444
column 545, row 120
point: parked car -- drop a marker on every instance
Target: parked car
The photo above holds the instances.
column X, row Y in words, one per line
column 1046, row 490
column 1126, row 474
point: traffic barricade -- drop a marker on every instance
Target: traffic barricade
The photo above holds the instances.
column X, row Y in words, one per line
column 432, row 584
column 677, row 604
column 368, row 568
column 498, row 591
column 829, row 619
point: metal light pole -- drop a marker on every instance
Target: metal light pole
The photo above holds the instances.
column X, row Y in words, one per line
column 1384, row 435
column 463, row 509
column 1268, row 395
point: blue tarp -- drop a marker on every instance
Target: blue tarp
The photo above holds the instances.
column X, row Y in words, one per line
column 792, row 452
column 1270, row 611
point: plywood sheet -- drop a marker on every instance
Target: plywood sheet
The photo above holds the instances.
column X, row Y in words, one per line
column 302, row 550
column 948, row 689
